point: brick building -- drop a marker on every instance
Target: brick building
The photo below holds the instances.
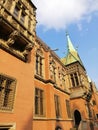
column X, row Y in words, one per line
column 38, row 90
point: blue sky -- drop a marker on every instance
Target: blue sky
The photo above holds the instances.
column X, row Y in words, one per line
column 80, row 19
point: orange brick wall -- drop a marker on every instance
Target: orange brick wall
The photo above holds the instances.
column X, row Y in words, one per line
column 23, row 72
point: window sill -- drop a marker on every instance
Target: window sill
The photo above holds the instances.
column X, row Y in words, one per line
column 36, row 117
column 3, row 110
column 39, row 77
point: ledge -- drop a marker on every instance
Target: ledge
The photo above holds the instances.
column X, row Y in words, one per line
column 50, row 119
column 12, row 52
column 52, row 82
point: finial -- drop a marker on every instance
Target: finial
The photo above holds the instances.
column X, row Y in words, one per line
column 67, row 33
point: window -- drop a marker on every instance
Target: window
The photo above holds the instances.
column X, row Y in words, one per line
column 7, row 92
column 6, row 127
column 16, row 11
column 74, row 79
column 19, row 12
column 29, row 23
column 53, row 71
column 68, row 108
column 57, row 106
column 39, row 63
column 22, row 17
column 61, row 76
column 39, row 102
column 63, row 82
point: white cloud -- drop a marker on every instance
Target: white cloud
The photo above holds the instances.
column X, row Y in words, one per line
column 58, row 14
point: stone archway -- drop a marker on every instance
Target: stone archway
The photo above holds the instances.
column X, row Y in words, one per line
column 77, row 118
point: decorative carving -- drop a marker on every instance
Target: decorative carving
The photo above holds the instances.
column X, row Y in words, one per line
column 14, row 23
column 8, row 5
column 2, row 1
column 21, row 29
column 13, row 36
column 88, row 95
column 52, row 67
column 28, row 48
column 5, row 14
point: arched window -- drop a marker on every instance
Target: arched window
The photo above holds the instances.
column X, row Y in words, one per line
column 39, row 62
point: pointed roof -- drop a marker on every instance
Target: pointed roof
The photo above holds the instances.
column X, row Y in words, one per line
column 69, row 43
column 72, row 54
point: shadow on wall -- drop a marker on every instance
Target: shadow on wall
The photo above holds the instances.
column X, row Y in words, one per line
column 91, row 126
column 28, row 124
column 29, row 57
column 58, row 126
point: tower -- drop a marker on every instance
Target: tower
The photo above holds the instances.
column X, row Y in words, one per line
column 78, row 79
column 78, row 84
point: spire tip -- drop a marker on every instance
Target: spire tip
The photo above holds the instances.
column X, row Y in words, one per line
column 67, row 33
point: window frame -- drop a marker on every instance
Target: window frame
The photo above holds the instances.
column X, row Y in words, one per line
column 68, row 108
column 74, row 79
column 7, row 92
column 21, row 12
column 16, row 11
column 39, row 110
column 53, row 71
column 57, row 106
column 22, row 17
column 39, row 63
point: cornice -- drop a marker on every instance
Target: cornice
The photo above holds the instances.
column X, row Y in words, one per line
column 51, row 82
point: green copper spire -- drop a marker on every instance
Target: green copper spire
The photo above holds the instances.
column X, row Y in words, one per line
column 69, row 43
column 72, row 54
